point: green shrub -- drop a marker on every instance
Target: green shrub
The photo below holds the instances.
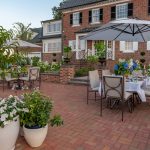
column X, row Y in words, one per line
column 92, row 59
column 35, row 61
column 82, row 72
column 38, row 112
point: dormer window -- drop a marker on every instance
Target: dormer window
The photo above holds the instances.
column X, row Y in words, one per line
column 54, row 27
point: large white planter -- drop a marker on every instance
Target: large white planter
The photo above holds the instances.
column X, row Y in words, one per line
column 35, row 137
column 9, row 135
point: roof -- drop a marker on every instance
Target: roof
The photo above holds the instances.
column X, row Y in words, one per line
column 75, row 3
column 51, row 36
column 37, row 38
column 85, row 30
column 50, row 20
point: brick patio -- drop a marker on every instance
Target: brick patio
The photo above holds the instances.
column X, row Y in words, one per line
column 84, row 129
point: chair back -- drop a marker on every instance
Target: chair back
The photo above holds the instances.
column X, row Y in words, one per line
column 106, row 72
column 33, row 73
column 113, row 86
column 94, row 79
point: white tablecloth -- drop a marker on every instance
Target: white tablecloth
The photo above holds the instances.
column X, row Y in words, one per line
column 136, row 87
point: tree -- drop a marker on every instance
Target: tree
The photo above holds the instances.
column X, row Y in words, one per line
column 57, row 14
column 22, row 31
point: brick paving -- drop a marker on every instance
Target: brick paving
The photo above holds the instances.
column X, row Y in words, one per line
column 83, row 127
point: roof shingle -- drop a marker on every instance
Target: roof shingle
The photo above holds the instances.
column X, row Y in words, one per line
column 74, row 3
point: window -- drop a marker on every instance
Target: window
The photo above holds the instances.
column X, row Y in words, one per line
column 95, row 15
column 72, row 44
column 76, row 18
column 54, row 46
column 54, row 27
column 121, row 11
column 128, row 46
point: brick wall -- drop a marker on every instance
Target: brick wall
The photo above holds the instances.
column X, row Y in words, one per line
column 49, row 77
column 140, row 11
column 50, row 57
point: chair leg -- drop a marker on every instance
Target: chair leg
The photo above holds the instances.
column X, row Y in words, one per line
column 122, row 108
column 87, row 95
column 101, row 105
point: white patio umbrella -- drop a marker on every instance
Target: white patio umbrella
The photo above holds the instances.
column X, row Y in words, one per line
column 122, row 30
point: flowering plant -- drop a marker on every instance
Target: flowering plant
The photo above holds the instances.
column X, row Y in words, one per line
column 126, row 66
column 9, row 109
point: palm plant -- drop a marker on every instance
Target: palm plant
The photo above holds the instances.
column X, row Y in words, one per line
column 22, row 31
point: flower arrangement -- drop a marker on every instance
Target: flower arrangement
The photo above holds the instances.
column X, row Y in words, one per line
column 9, row 109
column 126, row 66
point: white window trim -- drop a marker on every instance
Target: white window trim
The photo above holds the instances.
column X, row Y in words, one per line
column 92, row 17
column 74, row 25
column 128, row 51
column 116, row 11
column 54, row 32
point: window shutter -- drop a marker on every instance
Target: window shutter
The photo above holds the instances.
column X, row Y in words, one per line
column 148, row 45
column 130, row 9
column 148, row 6
column 80, row 18
column 135, row 46
column 71, row 19
column 113, row 12
column 90, row 16
column 122, row 45
column 101, row 14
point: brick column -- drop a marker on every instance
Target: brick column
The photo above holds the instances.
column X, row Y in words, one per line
column 66, row 73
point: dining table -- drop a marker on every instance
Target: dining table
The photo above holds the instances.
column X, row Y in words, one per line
column 133, row 85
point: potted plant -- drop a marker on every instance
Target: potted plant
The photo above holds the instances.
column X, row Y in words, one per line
column 67, row 50
column 101, row 51
column 35, row 121
column 9, row 122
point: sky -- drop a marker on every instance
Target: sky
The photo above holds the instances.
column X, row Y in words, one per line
column 26, row 11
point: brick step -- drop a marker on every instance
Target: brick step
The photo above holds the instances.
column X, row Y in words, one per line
column 79, row 80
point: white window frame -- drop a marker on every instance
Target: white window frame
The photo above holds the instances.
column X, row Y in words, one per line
column 126, row 48
column 76, row 19
column 97, row 15
column 54, row 28
column 117, row 7
column 72, row 44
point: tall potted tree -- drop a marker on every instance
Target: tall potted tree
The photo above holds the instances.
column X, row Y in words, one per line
column 67, row 50
column 101, row 51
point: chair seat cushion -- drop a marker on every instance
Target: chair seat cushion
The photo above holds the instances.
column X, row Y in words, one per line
column 24, row 78
column 95, row 89
column 11, row 79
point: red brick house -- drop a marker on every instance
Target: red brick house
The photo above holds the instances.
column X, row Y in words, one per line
column 82, row 16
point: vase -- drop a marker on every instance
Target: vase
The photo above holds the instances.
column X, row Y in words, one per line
column 9, row 135
column 35, row 136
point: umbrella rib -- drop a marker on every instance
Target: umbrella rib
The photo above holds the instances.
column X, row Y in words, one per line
column 141, row 29
column 140, row 33
column 121, row 32
column 144, row 30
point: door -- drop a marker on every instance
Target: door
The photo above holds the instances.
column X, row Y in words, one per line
column 110, row 47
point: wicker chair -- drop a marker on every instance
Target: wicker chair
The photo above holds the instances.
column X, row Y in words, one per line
column 32, row 77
